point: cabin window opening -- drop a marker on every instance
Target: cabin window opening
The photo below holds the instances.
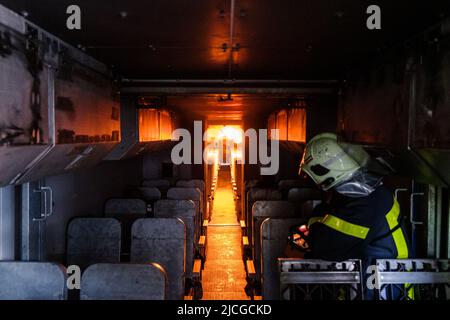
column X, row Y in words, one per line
column 291, row 124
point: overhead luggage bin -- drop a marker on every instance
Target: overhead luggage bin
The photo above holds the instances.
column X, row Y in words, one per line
column 67, row 112
column 22, row 137
column 144, row 129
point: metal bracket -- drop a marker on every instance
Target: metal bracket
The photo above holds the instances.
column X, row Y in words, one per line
column 5, row 44
column 411, row 208
column 48, row 203
column 397, row 191
column 84, row 155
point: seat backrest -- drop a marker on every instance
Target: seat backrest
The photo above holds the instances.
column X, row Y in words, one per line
column 184, row 210
column 162, row 185
column 184, row 194
column 32, row 281
column 150, row 194
column 93, row 240
column 301, row 195
column 158, row 183
column 162, row 241
column 195, row 183
column 116, row 207
column 285, row 185
column 267, row 209
column 124, row 282
column 248, row 184
column 257, row 194
column 193, row 194
column 306, row 198
column 274, row 234
column 126, row 211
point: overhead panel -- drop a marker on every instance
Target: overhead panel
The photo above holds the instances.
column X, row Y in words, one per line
column 297, row 125
column 399, row 108
column 272, row 39
column 60, row 112
column 165, row 125
column 282, row 125
column 148, row 125
column 24, row 130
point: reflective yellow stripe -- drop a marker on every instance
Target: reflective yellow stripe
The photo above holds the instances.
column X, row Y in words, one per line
column 313, row 220
column 410, row 289
column 400, row 241
column 343, row 226
column 397, row 235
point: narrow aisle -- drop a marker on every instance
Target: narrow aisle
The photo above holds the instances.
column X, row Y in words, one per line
column 224, row 211
column 224, row 273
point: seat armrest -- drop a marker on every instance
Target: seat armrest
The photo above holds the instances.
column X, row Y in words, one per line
column 251, row 272
column 245, row 242
column 197, row 269
column 202, row 241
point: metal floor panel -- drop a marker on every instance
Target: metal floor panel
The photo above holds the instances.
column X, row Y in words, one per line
column 224, row 274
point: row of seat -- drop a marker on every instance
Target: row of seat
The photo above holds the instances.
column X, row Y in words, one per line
column 164, row 233
column 184, row 201
column 426, row 279
column 266, row 222
column 128, row 210
column 48, row 281
column 184, row 190
column 166, row 241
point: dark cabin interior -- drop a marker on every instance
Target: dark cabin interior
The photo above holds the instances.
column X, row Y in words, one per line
column 87, row 124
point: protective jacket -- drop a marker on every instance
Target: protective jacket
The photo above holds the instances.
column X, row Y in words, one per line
column 365, row 228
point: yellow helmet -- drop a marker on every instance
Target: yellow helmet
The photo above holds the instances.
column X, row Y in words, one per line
column 328, row 162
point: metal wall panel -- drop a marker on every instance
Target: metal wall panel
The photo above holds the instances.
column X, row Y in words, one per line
column 431, row 128
column 374, row 106
column 68, row 157
column 7, row 223
column 24, row 126
column 50, row 93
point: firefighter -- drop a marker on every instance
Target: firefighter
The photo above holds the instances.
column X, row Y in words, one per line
column 360, row 218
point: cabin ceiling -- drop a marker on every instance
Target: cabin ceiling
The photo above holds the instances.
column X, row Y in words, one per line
column 271, row 39
column 227, row 108
column 233, row 40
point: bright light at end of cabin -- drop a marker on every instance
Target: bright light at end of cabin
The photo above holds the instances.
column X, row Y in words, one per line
column 231, row 133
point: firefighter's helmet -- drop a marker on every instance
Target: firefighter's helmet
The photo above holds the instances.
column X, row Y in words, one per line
column 327, row 161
